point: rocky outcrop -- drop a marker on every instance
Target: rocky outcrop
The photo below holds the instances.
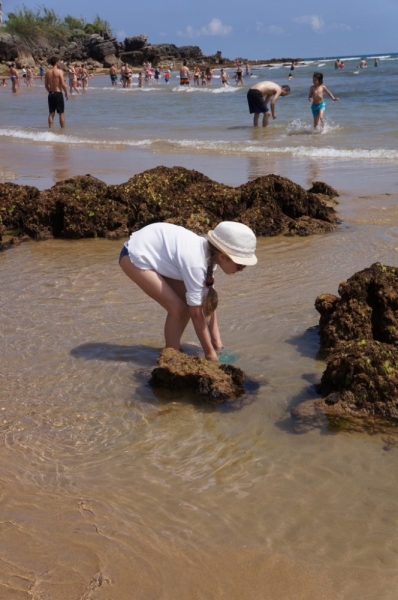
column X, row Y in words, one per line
column 103, row 49
column 212, row 381
column 84, row 206
column 366, row 310
column 359, row 334
column 135, row 43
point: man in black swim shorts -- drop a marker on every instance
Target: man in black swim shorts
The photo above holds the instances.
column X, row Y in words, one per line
column 260, row 95
column 54, row 83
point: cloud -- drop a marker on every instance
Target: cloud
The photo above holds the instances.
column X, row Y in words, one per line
column 341, row 26
column 275, row 30
column 215, row 27
column 315, row 21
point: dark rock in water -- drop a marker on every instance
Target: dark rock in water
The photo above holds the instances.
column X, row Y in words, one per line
column 177, row 195
column 211, row 380
column 366, row 310
column 273, row 205
column 84, row 206
column 359, row 331
column 318, row 187
column 360, row 386
column 17, row 202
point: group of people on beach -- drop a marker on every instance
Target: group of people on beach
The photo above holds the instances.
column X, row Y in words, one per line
column 262, row 99
column 27, row 75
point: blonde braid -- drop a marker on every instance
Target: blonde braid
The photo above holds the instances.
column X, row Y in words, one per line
column 210, row 301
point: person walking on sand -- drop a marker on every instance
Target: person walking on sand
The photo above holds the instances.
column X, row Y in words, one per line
column 316, row 97
column 14, row 78
column 174, row 267
column 261, row 95
column 54, row 84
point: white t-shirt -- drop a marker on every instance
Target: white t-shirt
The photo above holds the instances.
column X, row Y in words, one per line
column 172, row 251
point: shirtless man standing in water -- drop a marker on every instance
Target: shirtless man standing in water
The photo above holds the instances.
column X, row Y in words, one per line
column 259, row 96
column 184, row 74
column 54, row 83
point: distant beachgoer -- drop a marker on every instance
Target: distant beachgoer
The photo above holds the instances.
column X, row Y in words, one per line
column 24, row 73
column 337, row 63
column 128, row 76
column 342, row 65
column 196, row 75
column 174, row 267
column 156, row 74
column 72, row 75
column 4, row 83
column 292, row 66
column 14, row 78
column 54, row 84
column 113, row 74
column 290, row 76
column 84, row 77
column 316, row 97
column 247, row 70
column 376, row 63
column 167, row 76
column 184, row 74
column 363, row 64
column 41, row 72
column 140, row 79
column 203, row 78
column 209, row 75
column 148, row 75
column 29, row 76
column 259, row 96
column 239, row 76
column 224, row 78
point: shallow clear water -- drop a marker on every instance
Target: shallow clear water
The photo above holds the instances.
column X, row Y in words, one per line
column 107, row 486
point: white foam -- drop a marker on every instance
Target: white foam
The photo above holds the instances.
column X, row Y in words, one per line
column 298, row 151
column 59, row 138
column 206, row 89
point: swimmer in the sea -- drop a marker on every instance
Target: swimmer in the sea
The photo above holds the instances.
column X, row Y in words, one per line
column 316, row 97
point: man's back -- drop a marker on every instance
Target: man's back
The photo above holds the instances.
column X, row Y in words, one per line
column 54, row 80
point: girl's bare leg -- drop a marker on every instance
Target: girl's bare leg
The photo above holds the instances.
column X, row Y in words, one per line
column 169, row 293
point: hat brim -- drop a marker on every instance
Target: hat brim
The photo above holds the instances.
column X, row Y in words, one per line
column 248, row 261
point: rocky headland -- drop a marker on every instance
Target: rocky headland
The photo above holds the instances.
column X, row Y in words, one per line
column 100, row 51
column 84, row 206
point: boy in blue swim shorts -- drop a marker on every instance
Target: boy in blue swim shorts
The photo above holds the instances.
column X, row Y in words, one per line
column 316, row 97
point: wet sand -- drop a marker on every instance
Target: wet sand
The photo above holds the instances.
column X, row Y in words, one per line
column 44, row 166
column 108, row 490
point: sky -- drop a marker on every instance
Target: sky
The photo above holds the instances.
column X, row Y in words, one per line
column 256, row 30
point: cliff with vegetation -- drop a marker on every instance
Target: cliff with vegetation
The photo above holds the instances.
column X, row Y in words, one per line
column 31, row 37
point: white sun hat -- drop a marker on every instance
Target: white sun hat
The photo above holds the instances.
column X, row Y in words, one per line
column 236, row 240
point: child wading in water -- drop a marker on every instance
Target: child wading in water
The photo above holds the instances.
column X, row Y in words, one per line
column 174, row 267
column 316, row 97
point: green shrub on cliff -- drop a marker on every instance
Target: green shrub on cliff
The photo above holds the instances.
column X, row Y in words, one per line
column 36, row 25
